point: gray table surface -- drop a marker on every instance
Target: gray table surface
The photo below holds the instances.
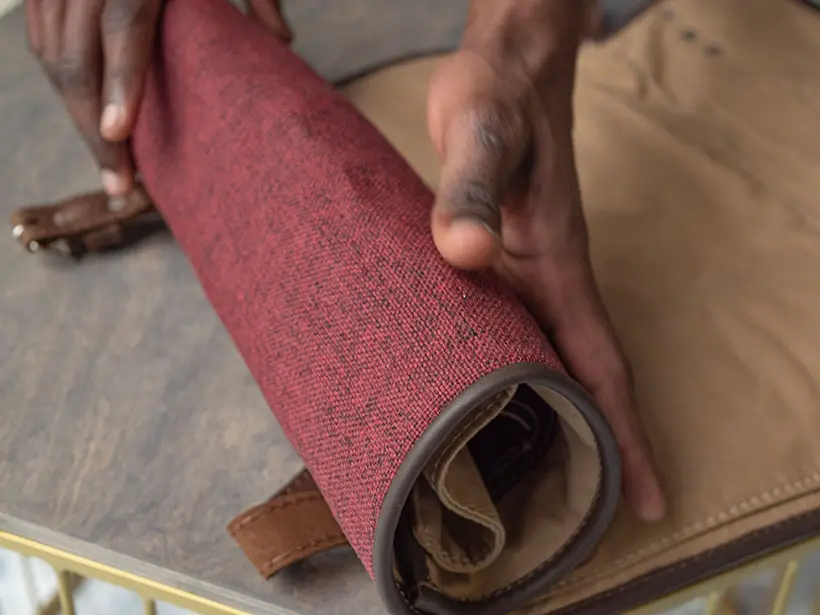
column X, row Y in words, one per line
column 130, row 429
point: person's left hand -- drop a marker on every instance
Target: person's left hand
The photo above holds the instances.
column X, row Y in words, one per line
column 500, row 115
column 96, row 54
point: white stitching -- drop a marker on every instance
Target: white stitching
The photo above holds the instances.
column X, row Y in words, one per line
column 719, row 518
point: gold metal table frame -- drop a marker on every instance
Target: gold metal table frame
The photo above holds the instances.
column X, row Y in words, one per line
column 717, row 594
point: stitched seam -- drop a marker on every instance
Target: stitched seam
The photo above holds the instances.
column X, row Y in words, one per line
column 428, row 540
column 541, row 567
column 318, row 543
column 492, row 407
column 484, row 549
column 272, row 507
column 499, row 399
column 484, row 521
column 680, row 566
column 750, row 505
column 535, row 572
column 454, row 443
column 406, row 598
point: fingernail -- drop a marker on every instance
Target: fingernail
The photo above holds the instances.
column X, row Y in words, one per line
column 653, row 505
column 475, row 220
column 113, row 183
column 467, row 243
column 112, row 118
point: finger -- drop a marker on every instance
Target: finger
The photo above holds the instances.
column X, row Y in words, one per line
column 593, row 355
column 569, row 303
column 51, row 24
column 269, row 14
column 558, row 284
column 77, row 76
column 483, row 145
column 128, row 30
column 33, row 27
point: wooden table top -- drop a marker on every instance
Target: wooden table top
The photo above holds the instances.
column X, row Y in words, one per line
column 131, row 431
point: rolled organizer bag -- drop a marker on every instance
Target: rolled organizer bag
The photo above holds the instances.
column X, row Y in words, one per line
column 442, row 438
column 398, row 380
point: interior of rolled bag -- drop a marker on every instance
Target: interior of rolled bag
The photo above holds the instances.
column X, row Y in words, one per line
column 697, row 149
column 510, row 489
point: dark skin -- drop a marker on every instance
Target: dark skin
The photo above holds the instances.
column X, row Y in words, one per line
column 500, row 116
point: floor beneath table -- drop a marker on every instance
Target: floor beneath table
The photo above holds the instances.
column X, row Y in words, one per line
column 25, row 583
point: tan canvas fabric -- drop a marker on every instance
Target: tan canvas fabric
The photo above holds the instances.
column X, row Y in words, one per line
column 698, row 139
column 530, row 524
column 457, row 522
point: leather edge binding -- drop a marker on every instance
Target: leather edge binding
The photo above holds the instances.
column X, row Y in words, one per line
column 437, row 434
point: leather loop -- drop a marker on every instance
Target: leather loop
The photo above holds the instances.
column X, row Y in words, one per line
column 293, row 525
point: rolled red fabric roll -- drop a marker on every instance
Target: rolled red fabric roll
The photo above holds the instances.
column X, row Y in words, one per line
column 310, row 237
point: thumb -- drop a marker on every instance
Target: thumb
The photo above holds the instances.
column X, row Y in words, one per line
column 269, row 14
column 481, row 142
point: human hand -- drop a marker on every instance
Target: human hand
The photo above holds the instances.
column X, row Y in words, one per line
column 500, row 115
column 96, row 55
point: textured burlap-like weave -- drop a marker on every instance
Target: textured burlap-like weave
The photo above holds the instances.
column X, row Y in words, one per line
column 310, row 237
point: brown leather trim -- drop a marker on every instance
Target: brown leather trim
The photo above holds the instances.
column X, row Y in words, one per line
column 755, row 546
column 90, row 222
column 293, row 525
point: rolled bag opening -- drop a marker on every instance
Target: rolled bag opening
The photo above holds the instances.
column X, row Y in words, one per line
column 509, row 490
column 466, row 469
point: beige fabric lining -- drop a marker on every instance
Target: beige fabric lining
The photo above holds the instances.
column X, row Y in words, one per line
column 475, row 546
column 456, row 520
column 698, row 141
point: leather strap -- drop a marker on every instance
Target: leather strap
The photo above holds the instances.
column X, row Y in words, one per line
column 293, row 525
column 90, row 222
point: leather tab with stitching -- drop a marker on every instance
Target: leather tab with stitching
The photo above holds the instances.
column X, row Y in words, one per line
column 293, row 525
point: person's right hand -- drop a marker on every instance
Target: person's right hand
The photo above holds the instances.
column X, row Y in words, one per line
column 96, row 54
column 500, row 115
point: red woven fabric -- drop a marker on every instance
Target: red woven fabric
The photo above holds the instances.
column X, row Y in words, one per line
column 309, row 235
